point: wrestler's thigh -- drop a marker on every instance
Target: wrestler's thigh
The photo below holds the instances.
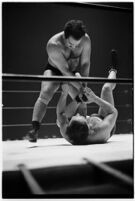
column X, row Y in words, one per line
column 49, row 86
column 107, row 95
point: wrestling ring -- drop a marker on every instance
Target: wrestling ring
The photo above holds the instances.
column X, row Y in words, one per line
column 53, row 168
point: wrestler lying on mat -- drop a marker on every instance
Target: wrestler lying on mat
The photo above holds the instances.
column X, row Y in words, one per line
column 68, row 52
column 78, row 128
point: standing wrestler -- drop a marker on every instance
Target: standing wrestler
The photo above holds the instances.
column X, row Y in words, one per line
column 68, row 52
column 79, row 129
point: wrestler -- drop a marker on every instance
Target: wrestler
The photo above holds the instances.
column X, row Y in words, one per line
column 79, row 129
column 68, row 52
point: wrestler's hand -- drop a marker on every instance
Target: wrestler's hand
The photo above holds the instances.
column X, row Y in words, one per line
column 83, row 85
column 89, row 94
column 77, row 74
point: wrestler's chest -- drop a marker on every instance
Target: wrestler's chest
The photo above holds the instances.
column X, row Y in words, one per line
column 72, row 54
column 73, row 58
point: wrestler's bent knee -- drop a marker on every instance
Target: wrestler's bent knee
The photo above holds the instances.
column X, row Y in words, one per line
column 107, row 87
column 43, row 100
column 110, row 86
column 45, row 97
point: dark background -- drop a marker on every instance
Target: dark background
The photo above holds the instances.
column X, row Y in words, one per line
column 26, row 28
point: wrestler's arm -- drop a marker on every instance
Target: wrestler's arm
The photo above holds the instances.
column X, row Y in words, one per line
column 74, row 106
column 111, row 112
column 64, row 110
column 62, row 120
column 60, row 109
column 84, row 63
column 81, row 107
column 109, row 108
column 92, row 97
column 85, row 59
column 55, row 54
column 102, row 132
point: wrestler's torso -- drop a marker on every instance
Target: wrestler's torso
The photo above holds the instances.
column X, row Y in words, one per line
column 71, row 55
column 95, row 124
column 98, row 131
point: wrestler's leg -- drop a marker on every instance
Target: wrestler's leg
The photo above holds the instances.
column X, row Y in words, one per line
column 107, row 92
column 47, row 91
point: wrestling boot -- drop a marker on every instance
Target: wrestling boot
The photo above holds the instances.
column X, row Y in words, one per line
column 32, row 135
column 114, row 61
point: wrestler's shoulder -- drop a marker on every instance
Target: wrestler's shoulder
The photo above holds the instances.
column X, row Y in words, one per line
column 86, row 40
column 55, row 41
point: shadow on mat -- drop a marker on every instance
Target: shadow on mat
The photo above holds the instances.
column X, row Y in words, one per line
column 39, row 146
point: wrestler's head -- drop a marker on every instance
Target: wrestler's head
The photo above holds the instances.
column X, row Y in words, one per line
column 77, row 130
column 74, row 30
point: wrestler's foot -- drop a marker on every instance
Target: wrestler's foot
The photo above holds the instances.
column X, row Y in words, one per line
column 112, row 69
column 114, row 58
column 32, row 135
column 114, row 61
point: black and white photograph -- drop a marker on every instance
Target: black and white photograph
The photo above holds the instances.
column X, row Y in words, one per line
column 67, row 100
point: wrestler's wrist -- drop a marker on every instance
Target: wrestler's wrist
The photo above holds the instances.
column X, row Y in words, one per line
column 84, row 84
column 81, row 98
column 84, row 98
column 95, row 98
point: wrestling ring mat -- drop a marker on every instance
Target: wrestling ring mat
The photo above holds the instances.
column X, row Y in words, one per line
column 53, row 168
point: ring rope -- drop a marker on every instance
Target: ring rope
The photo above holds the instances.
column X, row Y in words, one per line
column 54, row 107
column 38, row 91
column 20, row 91
column 38, row 78
column 25, row 108
column 23, row 125
column 129, row 121
column 105, row 6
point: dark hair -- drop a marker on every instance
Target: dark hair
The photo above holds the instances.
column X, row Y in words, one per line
column 74, row 28
column 77, row 131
